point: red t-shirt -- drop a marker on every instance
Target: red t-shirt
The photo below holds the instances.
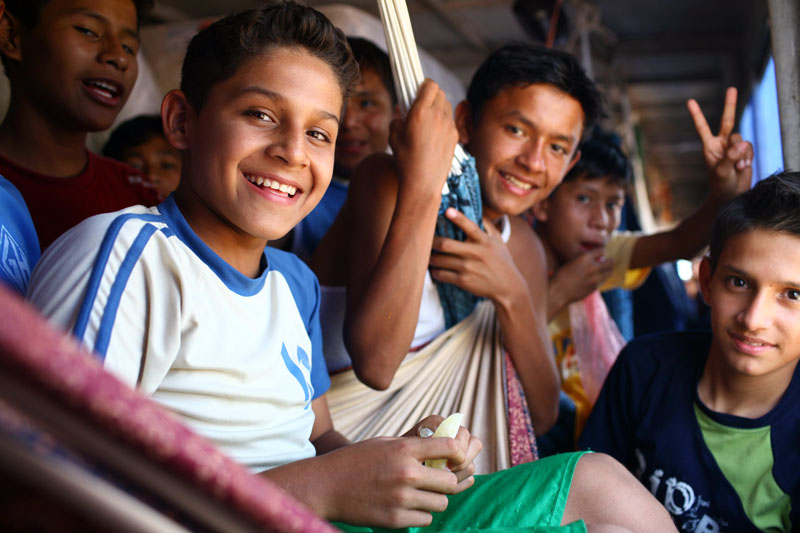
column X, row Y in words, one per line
column 57, row 204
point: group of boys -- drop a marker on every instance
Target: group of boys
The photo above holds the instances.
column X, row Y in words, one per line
column 257, row 118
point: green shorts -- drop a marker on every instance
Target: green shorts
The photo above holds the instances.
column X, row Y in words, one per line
column 529, row 497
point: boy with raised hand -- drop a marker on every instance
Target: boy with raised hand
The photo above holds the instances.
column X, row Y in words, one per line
column 526, row 110
column 71, row 65
column 709, row 422
column 184, row 302
column 585, row 253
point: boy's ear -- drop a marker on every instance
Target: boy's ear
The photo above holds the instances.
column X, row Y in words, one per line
column 396, row 113
column 175, row 112
column 575, row 159
column 9, row 34
column 541, row 210
column 704, row 276
column 463, row 122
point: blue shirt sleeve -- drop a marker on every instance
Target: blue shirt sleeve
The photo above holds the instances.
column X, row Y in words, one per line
column 305, row 289
column 18, row 239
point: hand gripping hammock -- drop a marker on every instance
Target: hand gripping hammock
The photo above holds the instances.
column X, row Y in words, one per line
column 462, row 188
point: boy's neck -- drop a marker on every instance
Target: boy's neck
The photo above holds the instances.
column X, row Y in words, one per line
column 242, row 252
column 493, row 216
column 31, row 140
column 724, row 390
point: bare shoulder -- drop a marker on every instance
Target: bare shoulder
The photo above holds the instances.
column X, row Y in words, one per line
column 524, row 244
column 528, row 253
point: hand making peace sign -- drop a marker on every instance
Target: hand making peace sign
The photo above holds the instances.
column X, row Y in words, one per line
column 729, row 159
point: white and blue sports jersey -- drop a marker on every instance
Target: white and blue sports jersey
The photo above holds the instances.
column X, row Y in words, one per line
column 239, row 359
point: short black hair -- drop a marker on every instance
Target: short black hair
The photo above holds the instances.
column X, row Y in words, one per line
column 773, row 204
column 601, row 157
column 27, row 11
column 370, row 56
column 132, row 132
column 522, row 64
column 217, row 52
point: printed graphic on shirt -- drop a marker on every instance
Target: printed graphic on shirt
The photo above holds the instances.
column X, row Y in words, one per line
column 303, row 377
column 689, row 508
column 13, row 260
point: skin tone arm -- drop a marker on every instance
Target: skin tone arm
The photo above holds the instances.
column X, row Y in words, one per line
column 378, row 482
column 729, row 161
column 506, row 274
column 393, row 205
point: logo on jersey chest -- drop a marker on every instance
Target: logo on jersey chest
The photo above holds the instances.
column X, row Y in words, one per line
column 299, row 367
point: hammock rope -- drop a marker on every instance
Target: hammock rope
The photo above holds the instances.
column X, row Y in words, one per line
column 462, row 187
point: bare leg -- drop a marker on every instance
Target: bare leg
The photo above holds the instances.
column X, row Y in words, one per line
column 604, row 493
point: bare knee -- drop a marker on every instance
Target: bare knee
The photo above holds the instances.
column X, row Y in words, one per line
column 604, row 493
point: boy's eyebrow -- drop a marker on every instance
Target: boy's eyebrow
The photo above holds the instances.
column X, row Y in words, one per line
column 519, row 116
column 97, row 16
column 279, row 97
column 744, row 274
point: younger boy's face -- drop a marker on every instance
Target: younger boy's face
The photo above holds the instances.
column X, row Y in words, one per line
column 260, row 151
column 365, row 127
column 158, row 160
column 78, row 64
column 754, row 295
column 580, row 215
column 523, row 145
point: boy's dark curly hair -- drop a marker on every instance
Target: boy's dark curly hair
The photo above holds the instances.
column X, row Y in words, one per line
column 217, row 52
column 522, row 64
column 601, row 157
column 773, row 204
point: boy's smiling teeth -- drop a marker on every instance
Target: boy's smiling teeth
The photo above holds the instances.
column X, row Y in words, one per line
column 108, row 88
column 517, row 183
column 271, row 184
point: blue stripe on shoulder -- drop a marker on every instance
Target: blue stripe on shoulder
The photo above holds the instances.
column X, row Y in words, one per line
column 120, row 281
column 100, row 265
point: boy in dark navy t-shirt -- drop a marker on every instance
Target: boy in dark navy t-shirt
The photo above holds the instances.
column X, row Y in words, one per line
column 709, row 422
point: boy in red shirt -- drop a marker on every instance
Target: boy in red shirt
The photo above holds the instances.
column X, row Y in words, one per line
column 71, row 65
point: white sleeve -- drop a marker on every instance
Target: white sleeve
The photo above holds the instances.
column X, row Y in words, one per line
column 116, row 288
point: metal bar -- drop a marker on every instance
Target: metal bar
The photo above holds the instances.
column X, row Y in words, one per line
column 784, row 18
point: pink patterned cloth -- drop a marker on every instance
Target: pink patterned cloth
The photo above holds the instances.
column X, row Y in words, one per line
column 597, row 342
column 521, row 438
column 55, row 364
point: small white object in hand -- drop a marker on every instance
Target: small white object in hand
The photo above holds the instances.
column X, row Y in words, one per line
column 448, row 428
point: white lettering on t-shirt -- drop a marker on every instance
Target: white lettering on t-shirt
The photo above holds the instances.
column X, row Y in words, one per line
column 679, row 498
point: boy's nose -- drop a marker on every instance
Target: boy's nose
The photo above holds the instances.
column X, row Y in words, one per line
column 290, row 147
column 532, row 156
column 599, row 217
column 114, row 53
column 351, row 118
column 757, row 315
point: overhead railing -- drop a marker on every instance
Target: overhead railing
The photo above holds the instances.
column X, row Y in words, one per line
column 784, row 17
